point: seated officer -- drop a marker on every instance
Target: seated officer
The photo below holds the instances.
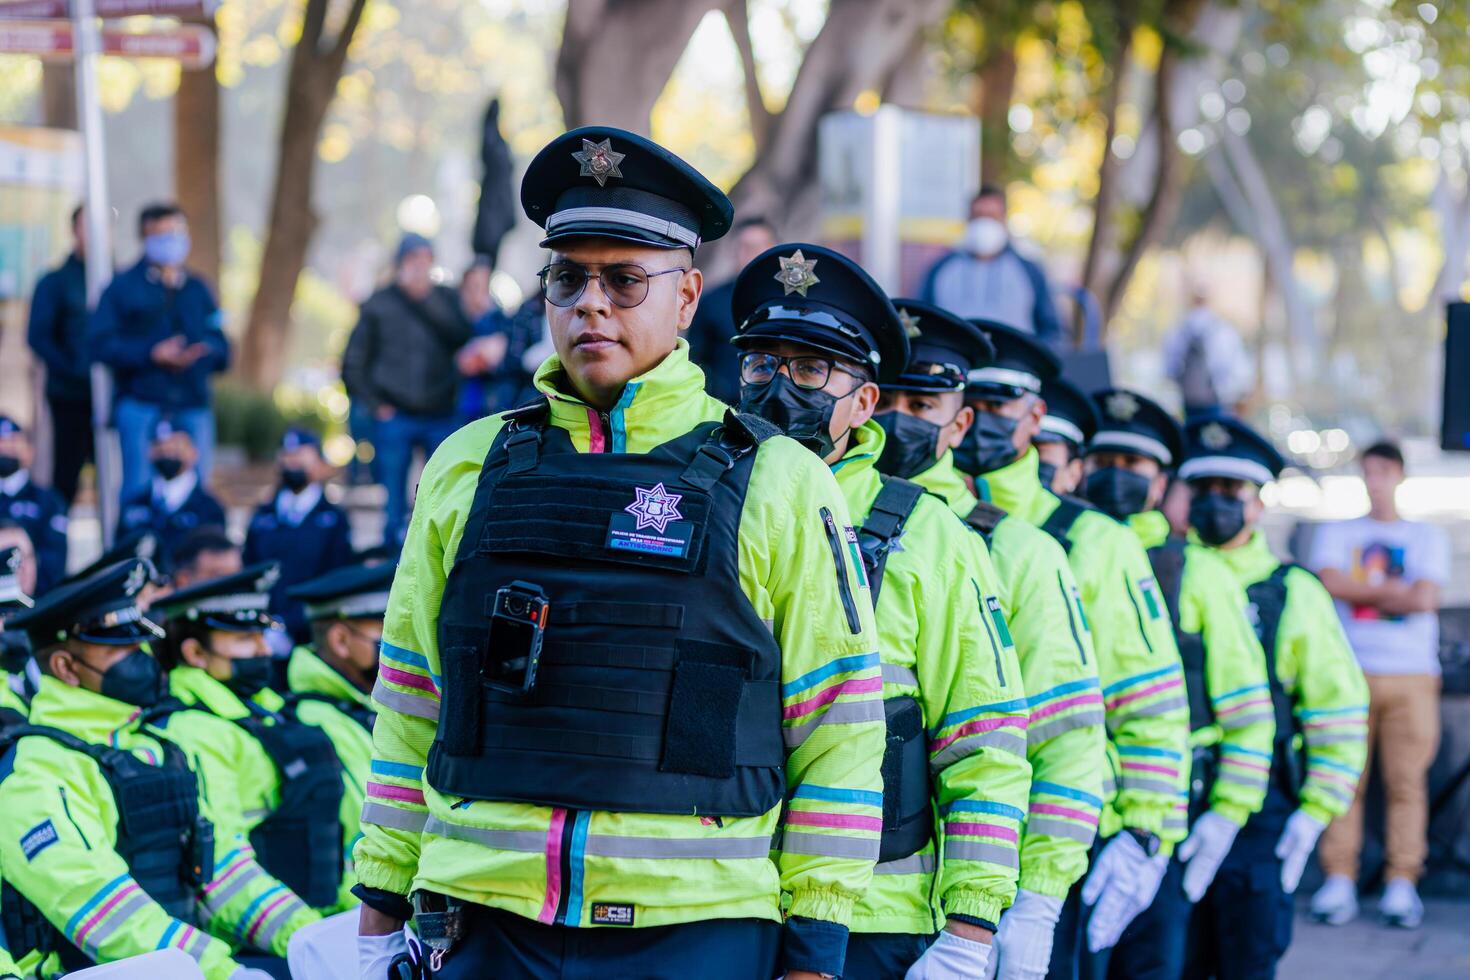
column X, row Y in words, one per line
column 175, row 503
column 1065, row 743
column 218, row 661
column 813, row 349
column 708, row 630
column 1319, row 696
column 107, row 838
column 40, row 510
column 1068, row 424
column 299, row 527
column 205, row 553
column 1231, row 724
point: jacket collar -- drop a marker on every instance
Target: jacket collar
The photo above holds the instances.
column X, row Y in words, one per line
column 192, row 685
column 1017, row 488
column 1251, row 562
column 87, row 715
column 308, row 673
column 857, row 472
column 943, row 479
column 1151, row 527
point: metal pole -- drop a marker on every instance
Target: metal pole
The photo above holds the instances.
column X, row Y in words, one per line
column 87, row 48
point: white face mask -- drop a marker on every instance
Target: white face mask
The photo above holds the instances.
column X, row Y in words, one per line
column 985, row 236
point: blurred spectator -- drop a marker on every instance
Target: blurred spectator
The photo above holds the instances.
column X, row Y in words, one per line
column 13, row 536
column 713, row 324
column 399, row 363
column 474, row 290
column 40, row 510
column 986, row 278
column 299, row 528
column 205, row 553
column 527, row 344
column 1206, row 358
column 58, row 335
column 176, row 502
column 1386, row 574
column 479, row 359
column 158, row 327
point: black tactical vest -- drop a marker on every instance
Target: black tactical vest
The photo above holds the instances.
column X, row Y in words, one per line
column 985, row 517
column 359, row 713
column 1268, row 599
column 1059, row 523
column 659, row 687
column 908, row 819
column 167, row 844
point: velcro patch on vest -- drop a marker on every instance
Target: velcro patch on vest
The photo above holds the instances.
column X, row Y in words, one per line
column 38, row 838
column 611, row 914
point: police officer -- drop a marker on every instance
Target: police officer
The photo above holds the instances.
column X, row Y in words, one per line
column 299, row 527
column 1068, row 424
column 813, row 348
column 14, row 650
column 175, row 504
column 107, row 838
column 1318, row 694
column 40, row 510
column 219, row 662
column 1138, row 664
column 1065, row 742
column 1231, row 722
column 709, row 656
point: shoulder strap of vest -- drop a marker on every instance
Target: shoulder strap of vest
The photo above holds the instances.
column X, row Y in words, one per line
column 1059, row 524
column 1167, row 561
column 985, row 517
column 884, row 525
column 521, row 435
column 104, row 755
column 349, row 708
column 754, row 429
column 736, row 436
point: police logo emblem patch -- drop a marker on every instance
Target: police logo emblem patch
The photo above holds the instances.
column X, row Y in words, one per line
column 652, row 525
column 136, row 578
column 910, row 323
column 599, row 161
column 798, row 273
column 655, row 508
column 1214, row 436
column 1122, row 405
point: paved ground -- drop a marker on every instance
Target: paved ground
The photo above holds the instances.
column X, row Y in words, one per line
column 1367, row 950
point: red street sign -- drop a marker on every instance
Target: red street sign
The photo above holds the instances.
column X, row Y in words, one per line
column 191, row 45
column 61, row 9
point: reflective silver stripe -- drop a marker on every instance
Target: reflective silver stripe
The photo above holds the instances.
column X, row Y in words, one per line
column 420, row 706
column 119, row 915
column 499, row 840
column 282, row 915
column 714, row 849
column 1037, row 734
column 830, row 845
column 199, row 945
column 953, row 752
column 1133, row 442
column 769, row 624
column 840, row 713
column 894, row 674
column 1109, row 788
column 1331, row 791
column 1230, row 467
column 1052, row 827
column 1153, row 710
column 1253, row 718
column 965, row 850
column 635, row 219
column 1239, row 780
column 216, row 900
column 1059, row 426
column 255, row 816
column 1331, row 738
column 914, row 864
column 1139, row 784
column 380, row 815
column 1004, row 376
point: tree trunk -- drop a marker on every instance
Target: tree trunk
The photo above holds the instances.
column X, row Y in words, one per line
column 997, row 85
column 737, row 15
column 1103, row 219
column 197, row 164
column 58, row 95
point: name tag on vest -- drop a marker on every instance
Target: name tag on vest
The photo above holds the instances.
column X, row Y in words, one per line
column 623, row 534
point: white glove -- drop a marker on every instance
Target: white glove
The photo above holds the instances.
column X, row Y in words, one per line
column 374, row 953
column 246, row 973
column 1122, row 884
column 1204, row 850
column 951, row 957
column 1023, row 941
column 1297, row 842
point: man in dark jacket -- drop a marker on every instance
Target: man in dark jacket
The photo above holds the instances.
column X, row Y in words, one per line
column 713, row 325
column 175, row 503
column 39, row 510
column 58, row 335
column 158, row 327
column 400, row 364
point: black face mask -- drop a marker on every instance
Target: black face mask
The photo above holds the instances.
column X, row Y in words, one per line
column 912, row 445
column 168, row 467
column 294, row 479
column 9, row 466
column 1046, row 473
column 1117, row 492
column 803, row 414
column 1216, row 517
column 250, row 675
column 136, row 679
column 989, row 445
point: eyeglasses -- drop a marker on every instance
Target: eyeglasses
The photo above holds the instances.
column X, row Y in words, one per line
column 624, row 284
column 758, row 368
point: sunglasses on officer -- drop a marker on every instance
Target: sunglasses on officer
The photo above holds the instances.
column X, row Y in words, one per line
column 625, row 284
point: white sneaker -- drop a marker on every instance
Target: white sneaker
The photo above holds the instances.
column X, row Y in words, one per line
column 1336, row 902
column 1400, row 905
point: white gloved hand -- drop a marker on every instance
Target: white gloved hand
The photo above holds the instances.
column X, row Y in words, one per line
column 1023, row 941
column 1122, row 883
column 1297, row 842
column 951, row 957
column 1204, row 850
column 247, row 973
column 374, row 953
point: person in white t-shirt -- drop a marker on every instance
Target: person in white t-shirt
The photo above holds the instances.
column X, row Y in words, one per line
column 1386, row 574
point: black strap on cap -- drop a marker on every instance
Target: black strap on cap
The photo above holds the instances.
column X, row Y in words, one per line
column 884, row 526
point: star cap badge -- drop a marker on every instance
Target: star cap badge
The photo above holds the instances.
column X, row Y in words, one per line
column 1122, row 405
column 910, row 323
column 599, row 161
column 655, row 508
column 797, row 273
column 136, row 578
column 268, row 579
column 1214, row 436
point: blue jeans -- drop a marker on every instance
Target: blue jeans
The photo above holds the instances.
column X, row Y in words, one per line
column 394, row 441
column 135, row 421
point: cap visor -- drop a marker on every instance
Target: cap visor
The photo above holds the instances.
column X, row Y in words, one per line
column 621, row 233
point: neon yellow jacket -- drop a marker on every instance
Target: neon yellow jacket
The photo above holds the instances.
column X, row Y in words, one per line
column 1137, row 661
column 82, row 884
column 1065, row 742
column 1317, row 669
column 672, row 868
column 942, row 644
column 8, row 967
column 8, row 697
column 1213, row 605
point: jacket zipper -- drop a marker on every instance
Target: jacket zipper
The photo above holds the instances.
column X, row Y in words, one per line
column 854, row 624
column 66, row 808
column 989, row 632
column 606, row 424
column 567, row 828
column 1068, row 600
